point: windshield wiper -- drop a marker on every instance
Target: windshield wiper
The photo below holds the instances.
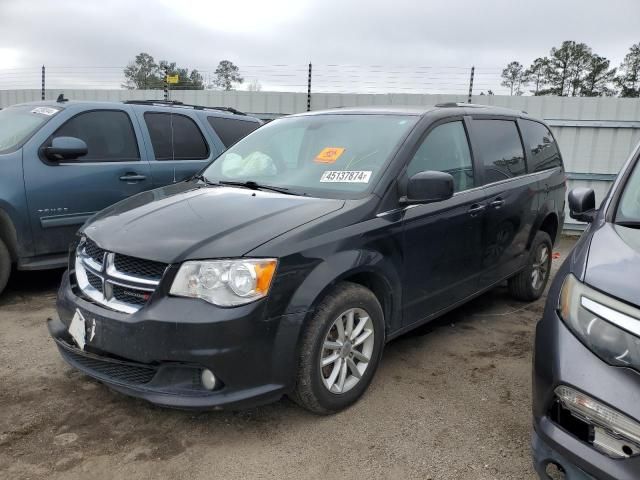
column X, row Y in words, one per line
column 204, row 179
column 252, row 185
column 629, row 223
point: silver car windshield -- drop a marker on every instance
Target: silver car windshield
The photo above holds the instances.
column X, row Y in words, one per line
column 318, row 155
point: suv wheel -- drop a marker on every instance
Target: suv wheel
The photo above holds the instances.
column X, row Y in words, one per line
column 340, row 350
column 5, row 265
column 529, row 284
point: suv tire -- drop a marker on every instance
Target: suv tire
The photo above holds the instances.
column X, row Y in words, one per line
column 5, row 265
column 529, row 284
column 345, row 374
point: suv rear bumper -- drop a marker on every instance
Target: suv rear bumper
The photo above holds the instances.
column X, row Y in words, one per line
column 159, row 352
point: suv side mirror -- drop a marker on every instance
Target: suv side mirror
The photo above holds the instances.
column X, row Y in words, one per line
column 582, row 204
column 66, row 148
column 429, row 187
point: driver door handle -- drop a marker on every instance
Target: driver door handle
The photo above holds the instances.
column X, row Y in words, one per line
column 497, row 203
column 132, row 177
column 476, row 208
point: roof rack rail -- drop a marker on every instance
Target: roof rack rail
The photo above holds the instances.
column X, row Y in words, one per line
column 176, row 103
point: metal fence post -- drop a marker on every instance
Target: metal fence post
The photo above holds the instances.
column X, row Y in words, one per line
column 309, row 90
column 473, row 69
column 42, row 96
column 166, row 85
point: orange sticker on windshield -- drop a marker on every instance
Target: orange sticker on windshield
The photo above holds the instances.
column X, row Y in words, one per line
column 329, row 155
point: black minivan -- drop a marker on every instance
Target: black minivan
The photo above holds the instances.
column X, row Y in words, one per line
column 286, row 265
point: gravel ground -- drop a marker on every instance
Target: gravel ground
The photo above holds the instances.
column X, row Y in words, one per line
column 450, row 401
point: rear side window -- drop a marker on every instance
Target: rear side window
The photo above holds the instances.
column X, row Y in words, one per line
column 500, row 149
column 159, row 127
column 108, row 134
column 230, row 130
column 175, row 137
column 445, row 149
column 540, row 145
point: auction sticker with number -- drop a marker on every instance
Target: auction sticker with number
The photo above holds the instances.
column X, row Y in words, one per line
column 48, row 111
column 346, row 176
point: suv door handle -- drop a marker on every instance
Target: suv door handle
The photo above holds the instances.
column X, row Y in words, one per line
column 497, row 203
column 476, row 208
column 132, row 177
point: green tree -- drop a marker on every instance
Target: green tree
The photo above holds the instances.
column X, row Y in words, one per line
column 629, row 78
column 142, row 73
column 226, row 75
column 567, row 68
column 513, row 77
column 538, row 74
column 598, row 79
column 187, row 80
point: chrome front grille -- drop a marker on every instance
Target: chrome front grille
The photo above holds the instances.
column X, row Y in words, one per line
column 116, row 281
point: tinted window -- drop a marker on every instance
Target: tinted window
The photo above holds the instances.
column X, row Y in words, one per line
column 541, row 147
column 108, row 134
column 230, row 130
column 500, row 149
column 188, row 142
column 446, row 150
column 175, row 137
column 159, row 126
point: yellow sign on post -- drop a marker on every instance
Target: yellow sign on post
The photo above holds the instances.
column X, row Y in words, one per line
column 173, row 78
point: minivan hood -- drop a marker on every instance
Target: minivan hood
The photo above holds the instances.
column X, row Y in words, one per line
column 188, row 221
column 614, row 262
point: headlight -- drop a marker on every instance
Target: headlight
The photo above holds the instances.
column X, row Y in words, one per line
column 610, row 328
column 226, row 283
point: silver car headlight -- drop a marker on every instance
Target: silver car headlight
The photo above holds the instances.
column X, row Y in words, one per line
column 226, row 283
column 608, row 327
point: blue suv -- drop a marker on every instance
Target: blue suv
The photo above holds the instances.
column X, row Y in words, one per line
column 63, row 161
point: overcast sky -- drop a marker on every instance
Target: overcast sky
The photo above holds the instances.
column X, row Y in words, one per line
column 258, row 34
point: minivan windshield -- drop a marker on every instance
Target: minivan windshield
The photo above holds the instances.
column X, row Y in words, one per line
column 333, row 155
column 18, row 123
column 629, row 206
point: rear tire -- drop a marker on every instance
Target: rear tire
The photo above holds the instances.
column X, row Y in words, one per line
column 529, row 284
column 5, row 265
column 346, row 335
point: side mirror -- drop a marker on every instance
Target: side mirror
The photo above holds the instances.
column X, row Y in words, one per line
column 582, row 204
column 429, row 187
column 65, row 148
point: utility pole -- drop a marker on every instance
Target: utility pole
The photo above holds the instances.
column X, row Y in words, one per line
column 42, row 96
column 473, row 69
column 309, row 90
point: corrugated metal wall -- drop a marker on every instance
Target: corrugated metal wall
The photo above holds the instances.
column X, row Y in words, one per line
column 596, row 135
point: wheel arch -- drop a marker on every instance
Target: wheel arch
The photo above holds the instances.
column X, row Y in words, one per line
column 549, row 224
column 9, row 235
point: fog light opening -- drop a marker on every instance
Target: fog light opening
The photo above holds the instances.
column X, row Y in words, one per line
column 627, row 450
column 555, row 471
column 208, row 379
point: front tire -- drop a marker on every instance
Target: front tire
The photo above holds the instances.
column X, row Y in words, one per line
column 340, row 350
column 5, row 265
column 529, row 284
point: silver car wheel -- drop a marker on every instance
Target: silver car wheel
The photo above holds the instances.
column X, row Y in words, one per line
column 540, row 267
column 347, row 350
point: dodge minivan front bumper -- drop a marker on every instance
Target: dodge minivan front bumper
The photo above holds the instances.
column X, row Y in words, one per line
column 159, row 353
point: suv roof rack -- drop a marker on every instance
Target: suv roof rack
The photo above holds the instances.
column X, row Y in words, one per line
column 176, row 103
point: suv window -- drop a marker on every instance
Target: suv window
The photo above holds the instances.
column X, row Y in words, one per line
column 108, row 134
column 445, row 149
column 175, row 137
column 230, row 130
column 541, row 146
column 500, row 149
